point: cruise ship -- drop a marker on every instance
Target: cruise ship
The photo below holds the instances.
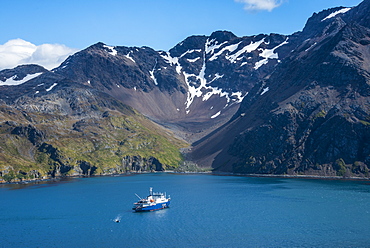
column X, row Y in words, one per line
column 154, row 201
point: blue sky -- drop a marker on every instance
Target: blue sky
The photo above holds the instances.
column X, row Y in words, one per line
column 159, row 24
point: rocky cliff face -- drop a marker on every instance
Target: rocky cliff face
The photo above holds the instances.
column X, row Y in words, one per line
column 311, row 115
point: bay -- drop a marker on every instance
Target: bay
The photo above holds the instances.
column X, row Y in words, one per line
column 205, row 211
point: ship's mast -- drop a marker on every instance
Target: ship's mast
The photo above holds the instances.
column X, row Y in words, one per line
column 138, row 196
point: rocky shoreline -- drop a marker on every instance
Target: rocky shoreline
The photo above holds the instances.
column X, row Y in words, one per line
column 296, row 176
column 35, row 181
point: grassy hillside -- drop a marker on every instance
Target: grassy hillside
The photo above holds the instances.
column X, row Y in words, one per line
column 94, row 139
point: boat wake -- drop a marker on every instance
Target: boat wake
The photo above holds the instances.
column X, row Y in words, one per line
column 117, row 219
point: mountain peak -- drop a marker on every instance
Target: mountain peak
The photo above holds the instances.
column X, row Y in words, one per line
column 222, row 36
column 318, row 22
column 20, row 72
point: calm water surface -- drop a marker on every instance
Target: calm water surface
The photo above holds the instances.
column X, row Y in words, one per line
column 206, row 211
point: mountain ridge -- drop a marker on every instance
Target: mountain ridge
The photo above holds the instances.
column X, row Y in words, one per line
column 178, row 86
column 293, row 127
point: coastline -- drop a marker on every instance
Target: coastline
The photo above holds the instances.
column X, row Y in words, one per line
column 294, row 176
column 35, row 181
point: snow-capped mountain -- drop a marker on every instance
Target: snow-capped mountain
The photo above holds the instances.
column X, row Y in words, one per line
column 219, row 91
column 310, row 116
column 195, row 87
column 20, row 74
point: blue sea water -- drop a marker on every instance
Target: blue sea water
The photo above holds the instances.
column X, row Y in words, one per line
column 205, row 211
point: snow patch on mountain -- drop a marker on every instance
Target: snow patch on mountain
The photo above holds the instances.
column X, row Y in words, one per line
column 129, row 57
column 230, row 48
column 239, row 96
column 153, row 77
column 51, row 87
column 194, row 91
column 172, row 61
column 311, row 47
column 267, row 54
column 265, row 90
column 215, row 115
column 217, row 76
column 200, row 84
column 210, row 47
column 112, row 50
column 14, row 81
column 152, row 74
column 190, row 51
column 215, row 91
column 193, row 60
column 204, row 90
column 247, row 49
column 341, row 11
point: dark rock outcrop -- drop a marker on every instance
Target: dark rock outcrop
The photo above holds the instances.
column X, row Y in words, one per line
column 140, row 164
column 35, row 136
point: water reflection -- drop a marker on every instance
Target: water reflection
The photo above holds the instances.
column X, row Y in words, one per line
column 162, row 213
column 38, row 184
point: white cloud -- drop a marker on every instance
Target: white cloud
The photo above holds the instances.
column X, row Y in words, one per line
column 17, row 52
column 253, row 5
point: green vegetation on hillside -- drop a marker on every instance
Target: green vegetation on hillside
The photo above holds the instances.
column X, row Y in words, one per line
column 40, row 145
